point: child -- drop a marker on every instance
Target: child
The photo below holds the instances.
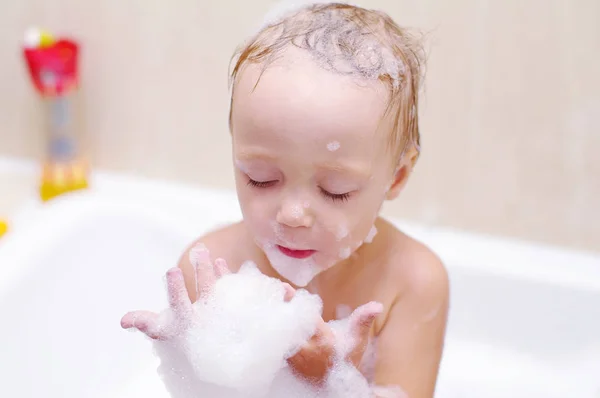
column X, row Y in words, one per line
column 324, row 127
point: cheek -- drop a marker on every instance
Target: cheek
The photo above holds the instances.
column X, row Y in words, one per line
column 256, row 209
column 349, row 229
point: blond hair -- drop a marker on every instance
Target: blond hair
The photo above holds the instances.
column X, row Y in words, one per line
column 353, row 41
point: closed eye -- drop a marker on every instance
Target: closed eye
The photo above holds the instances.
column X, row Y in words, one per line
column 260, row 184
column 336, row 197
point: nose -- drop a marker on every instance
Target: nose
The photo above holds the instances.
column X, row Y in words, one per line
column 294, row 214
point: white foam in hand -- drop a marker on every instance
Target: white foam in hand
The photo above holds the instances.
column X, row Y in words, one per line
column 247, row 311
column 236, row 339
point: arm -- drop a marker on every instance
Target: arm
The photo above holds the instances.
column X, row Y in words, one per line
column 411, row 342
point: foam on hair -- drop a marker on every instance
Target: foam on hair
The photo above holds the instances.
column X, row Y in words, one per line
column 348, row 40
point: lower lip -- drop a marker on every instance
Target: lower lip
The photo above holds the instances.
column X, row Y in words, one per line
column 295, row 253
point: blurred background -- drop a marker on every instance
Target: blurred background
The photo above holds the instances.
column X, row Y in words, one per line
column 510, row 111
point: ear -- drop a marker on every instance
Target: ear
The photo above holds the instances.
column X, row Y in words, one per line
column 402, row 174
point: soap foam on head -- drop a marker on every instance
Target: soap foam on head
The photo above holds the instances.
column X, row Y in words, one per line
column 240, row 339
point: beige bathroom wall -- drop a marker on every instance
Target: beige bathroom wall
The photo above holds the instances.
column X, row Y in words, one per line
column 510, row 114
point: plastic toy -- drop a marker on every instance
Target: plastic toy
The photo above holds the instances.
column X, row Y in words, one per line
column 53, row 68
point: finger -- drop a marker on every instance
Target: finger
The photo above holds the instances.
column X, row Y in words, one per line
column 144, row 321
column 323, row 331
column 221, row 268
column 362, row 319
column 289, row 292
column 179, row 300
column 205, row 274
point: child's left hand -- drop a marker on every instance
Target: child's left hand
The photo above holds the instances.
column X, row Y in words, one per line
column 316, row 357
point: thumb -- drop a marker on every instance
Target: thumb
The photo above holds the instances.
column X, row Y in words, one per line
column 360, row 324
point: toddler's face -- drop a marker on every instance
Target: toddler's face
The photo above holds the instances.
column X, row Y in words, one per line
column 312, row 164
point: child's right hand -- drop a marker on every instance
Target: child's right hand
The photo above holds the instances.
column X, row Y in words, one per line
column 171, row 323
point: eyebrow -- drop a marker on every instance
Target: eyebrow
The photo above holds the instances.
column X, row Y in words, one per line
column 255, row 155
column 358, row 169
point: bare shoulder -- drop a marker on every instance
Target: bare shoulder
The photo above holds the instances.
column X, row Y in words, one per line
column 423, row 278
column 220, row 243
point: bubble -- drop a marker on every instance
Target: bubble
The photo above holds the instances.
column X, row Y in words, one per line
column 277, row 229
column 371, row 234
column 333, row 146
column 341, row 232
column 345, row 252
column 296, row 211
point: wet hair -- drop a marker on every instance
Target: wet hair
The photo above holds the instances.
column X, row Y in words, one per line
column 352, row 41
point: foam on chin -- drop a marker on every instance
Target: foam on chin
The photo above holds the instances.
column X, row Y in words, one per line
column 298, row 271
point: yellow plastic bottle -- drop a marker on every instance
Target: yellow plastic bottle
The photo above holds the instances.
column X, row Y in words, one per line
column 64, row 169
column 3, row 227
column 61, row 177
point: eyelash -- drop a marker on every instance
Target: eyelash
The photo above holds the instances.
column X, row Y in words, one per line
column 335, row 197
column 260, row 184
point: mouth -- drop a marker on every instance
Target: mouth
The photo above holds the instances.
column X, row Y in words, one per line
column 295, row 253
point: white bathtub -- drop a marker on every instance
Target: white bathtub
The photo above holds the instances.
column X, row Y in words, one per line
column 524, row 320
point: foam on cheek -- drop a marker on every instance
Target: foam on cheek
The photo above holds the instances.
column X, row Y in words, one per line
column 333, row 146
column 341, row 232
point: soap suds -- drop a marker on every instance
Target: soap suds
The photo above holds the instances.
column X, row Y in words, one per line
column 371, row 235
column 298, row 271
column 345, row 252
column 277, row 229
column 341, row 232
column 333, row 146
column 336, row 39
column 296, row 212
column 234, row 342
